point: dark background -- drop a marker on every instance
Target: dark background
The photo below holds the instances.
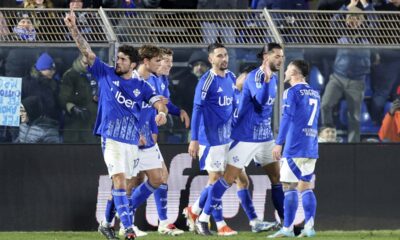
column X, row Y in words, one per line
column 54, row 187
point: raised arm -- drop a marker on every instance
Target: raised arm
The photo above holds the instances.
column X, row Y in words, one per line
column 83, row 45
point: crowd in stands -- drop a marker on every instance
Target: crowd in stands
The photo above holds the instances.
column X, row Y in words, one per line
column 358, row 85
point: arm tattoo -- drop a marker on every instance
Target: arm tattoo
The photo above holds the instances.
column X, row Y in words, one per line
column 82, row 44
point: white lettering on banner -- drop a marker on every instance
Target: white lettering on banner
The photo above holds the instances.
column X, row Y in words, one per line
column 177, row 182
column 10, row 100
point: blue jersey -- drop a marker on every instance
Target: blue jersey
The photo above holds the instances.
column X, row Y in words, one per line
column 162, row 88
column 299, row 124
column 120, row 102
column 253, row 123
column 236, row 102
column 147, row 125
column 212, row 109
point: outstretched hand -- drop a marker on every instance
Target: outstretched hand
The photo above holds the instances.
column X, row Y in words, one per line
column 70, row 19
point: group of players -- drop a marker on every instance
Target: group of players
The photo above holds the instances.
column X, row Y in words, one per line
column 230, row 126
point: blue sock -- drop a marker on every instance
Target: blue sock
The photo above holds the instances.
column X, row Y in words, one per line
column 278, row 198
column 215, row 195
column 247, row 203
column 141, row 194
column 203, row 196
column 217, row 212
column 160, row 197
column 110, row 210
column 309, row 205
column 291, row 202
column 131, row 210
column 122, row 205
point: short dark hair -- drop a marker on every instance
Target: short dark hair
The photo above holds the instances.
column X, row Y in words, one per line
column 149, row 51
column 214, row 46
column 268, row 48
column 131, row 52
column 302, row 66
column 166, row 51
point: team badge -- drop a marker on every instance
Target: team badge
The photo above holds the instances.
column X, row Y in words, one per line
column 136, row 92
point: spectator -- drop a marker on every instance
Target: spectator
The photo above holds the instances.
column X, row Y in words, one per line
column 198, row 61
column 327, row 134
column 183, row 83
column 35, row 128
column 390, row 129
column 25, row 29
column 211, row 30
column 43, row 82
column 386, row 71
column 4, row 31
column 38, row 4
column 349, row 72
column 78, row 96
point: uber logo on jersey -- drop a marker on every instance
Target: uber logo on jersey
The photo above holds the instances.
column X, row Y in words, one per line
column 225, row 101
column 121, row 99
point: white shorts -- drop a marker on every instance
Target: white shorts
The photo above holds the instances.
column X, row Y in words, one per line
column 149, row 158
column 119, row 157
column 241, row 153
column 213, row 158
column 297, row 169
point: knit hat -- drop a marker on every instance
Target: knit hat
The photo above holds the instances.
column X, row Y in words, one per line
column 33, row 107
column 44, row 62
column 198, row 56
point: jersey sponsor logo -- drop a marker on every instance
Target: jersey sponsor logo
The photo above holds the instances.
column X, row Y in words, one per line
column 136, row 92
column 270, row 101
column 219, row 89
column 129, row 103
column 116, row 83
column 145, row 105
column 225, row 101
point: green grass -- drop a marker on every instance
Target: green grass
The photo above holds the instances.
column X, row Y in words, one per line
column 326, row 235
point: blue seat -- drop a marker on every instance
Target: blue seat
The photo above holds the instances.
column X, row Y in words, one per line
column 316, row 79
column 367, row 126
column 387, row 107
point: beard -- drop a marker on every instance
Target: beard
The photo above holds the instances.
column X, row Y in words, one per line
column 119, row 72
column 274, row 67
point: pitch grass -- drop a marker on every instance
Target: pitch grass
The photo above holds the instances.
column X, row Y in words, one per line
column 326, row 235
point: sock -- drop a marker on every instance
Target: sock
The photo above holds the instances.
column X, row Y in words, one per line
column 217, row 213
column 220, row 224
column 201, row 201
column 122, row 205
column 110, row 211
column 141, row 194
column 309, row 206
column 247, row 203
column 278, row 198
column 160, row 197
column 215, row 195
column 291, row 202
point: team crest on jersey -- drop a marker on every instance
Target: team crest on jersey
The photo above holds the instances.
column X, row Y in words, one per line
column 116, row 83
column 162, row 86
column 136, row 92
column 203, row 95
column 233, row 86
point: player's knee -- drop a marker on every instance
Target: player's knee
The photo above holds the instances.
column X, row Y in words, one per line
column 119, row 181
column 156, row 181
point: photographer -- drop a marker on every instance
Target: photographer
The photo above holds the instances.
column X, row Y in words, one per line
column 390, row 129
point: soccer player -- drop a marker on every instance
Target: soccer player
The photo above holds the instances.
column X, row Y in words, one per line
column 121, row 96
column 252, row 135
column 150, row 158
column 299, row 132
column 211, row 127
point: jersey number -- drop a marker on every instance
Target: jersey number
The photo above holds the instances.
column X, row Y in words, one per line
column 314, row 103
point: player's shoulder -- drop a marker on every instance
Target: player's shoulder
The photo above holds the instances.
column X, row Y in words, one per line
column 206, row 80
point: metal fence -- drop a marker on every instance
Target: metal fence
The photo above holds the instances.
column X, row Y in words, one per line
column 198, row 28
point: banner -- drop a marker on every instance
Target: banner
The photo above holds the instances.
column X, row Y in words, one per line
column 10, row 100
